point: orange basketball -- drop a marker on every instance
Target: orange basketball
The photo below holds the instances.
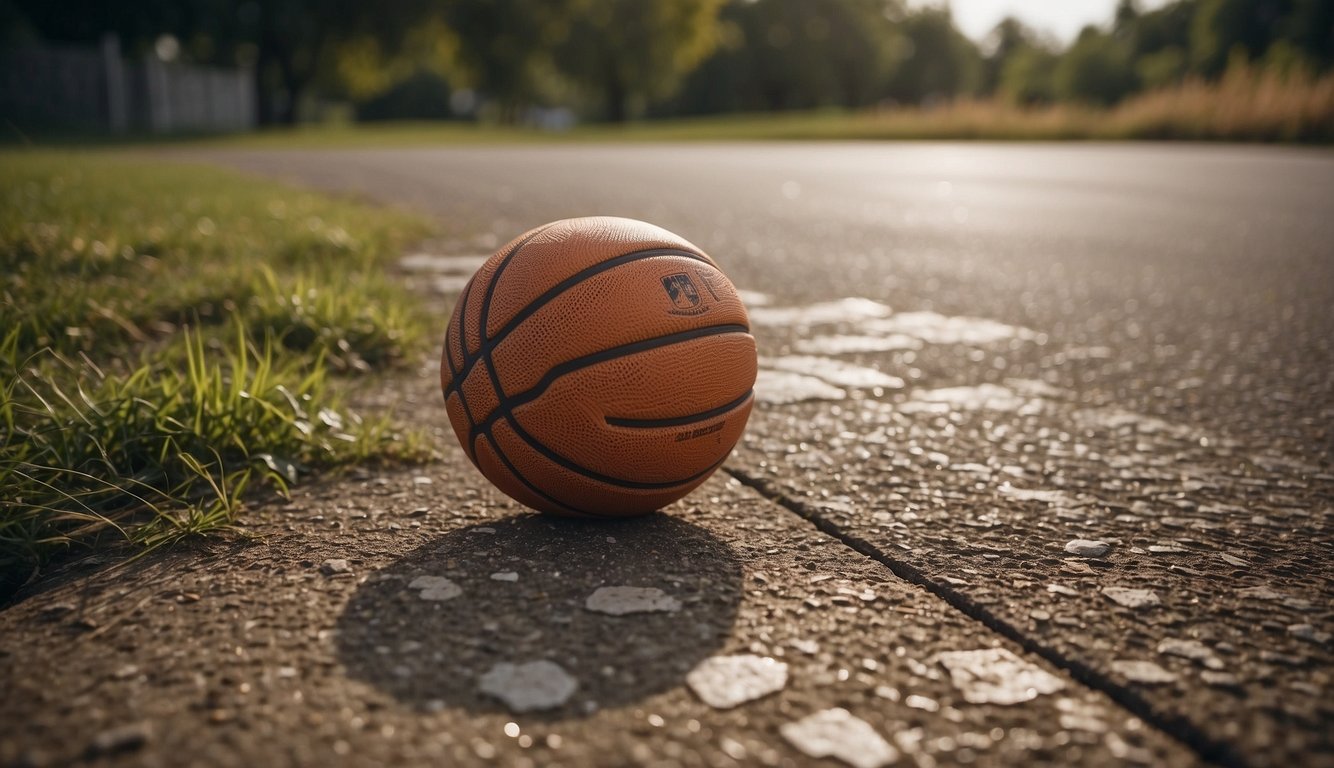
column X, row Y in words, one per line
column 598, row 366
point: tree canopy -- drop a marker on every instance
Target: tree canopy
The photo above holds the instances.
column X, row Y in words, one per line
column 615, row 59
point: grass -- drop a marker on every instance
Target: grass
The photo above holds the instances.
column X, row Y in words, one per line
column 1247, row 104
column 171, row 340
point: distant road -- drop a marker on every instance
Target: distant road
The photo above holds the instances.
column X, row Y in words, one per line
column 1223, row 251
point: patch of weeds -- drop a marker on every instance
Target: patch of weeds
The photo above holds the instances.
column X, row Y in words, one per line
column 171, row 343
column 316, row 314
column 163, row 452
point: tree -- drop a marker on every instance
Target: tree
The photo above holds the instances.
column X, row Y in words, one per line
column 428, row 57
column 1163, row 28
column 1027, row 77
column 630, row 51
column 506, row 47
column 1310, row 26
column 1221, row 28
column 1125, row 18
column 295, row 42
column 1097, row 69
column 936, row 60
column 1161, row 68
column 1005, row 42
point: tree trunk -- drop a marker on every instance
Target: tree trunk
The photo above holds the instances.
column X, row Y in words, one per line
column 295, row 85
column 263, row 96
column 617, row 98
column 284, row 71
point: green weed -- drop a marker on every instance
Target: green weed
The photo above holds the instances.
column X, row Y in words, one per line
column 170, row 340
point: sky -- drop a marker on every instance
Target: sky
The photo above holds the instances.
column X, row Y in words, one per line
column 1061, row 18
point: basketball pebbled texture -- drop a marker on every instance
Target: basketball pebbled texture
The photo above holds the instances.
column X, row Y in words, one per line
column 598, row 366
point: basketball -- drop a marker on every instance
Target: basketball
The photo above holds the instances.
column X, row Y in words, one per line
column 598, row 367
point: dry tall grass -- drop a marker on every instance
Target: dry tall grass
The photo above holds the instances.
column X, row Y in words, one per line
column 1247, row 104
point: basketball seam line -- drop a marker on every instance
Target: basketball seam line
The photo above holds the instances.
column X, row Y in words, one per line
column 483, row 352
column 489, row 344
column 449, row 348
column 463, row 316
column 491, row 291
column 560, row 460
column 470, row 448
column 463, row 339
column 453, row 374
column 508, row 403
column 678, row 421
column 513, row 470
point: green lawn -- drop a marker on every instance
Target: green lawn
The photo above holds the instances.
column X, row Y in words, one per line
column 173, row 335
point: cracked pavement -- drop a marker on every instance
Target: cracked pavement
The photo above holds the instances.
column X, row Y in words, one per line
column 1069, row 401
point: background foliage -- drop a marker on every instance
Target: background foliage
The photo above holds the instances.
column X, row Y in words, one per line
column 508, row 60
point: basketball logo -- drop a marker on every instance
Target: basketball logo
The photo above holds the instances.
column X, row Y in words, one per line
column 681, row 291
column 685, row 297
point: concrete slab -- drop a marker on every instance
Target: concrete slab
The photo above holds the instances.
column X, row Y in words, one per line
column 1174, row 567
column 255, row 652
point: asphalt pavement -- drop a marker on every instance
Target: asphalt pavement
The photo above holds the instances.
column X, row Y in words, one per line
column 1050, row 413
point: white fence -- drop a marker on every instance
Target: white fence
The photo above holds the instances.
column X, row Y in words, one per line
column 94, row 89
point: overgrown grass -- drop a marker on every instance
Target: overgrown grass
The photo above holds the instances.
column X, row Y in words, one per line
column 99, row 253
column 1247, row 104
column 170, row 336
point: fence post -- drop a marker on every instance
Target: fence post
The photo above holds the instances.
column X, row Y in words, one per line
column 157, row 94
column 245, row 95
column 113, row 69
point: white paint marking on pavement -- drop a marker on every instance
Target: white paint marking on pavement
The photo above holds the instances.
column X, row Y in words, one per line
column 1259, row 593
column 619, row 601
column 1131, row 598
column 839, row 734
column 1190, row 649
column 1034, row 494
column 935, row 328
column 1144, row 672
column 754, row 298
column 445, row 265
column 836, row 372
column 1087, row 547
column 529, row 687
column 997, row 676
column 983, row 397
column 839, row 344
column 1118, row 419
column 785, row 388
column 724, row 682
column 436, row 588
column 850, row 310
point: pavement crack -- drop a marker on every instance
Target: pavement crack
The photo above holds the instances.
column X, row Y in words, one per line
column 1173, row 726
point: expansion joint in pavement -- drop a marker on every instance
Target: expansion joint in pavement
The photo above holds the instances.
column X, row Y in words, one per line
column 1173, row 726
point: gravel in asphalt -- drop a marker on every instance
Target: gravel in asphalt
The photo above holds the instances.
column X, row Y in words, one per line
column 1070, row 401
column 253, row 653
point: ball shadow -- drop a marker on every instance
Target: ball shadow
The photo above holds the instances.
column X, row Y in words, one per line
column 429, row 653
